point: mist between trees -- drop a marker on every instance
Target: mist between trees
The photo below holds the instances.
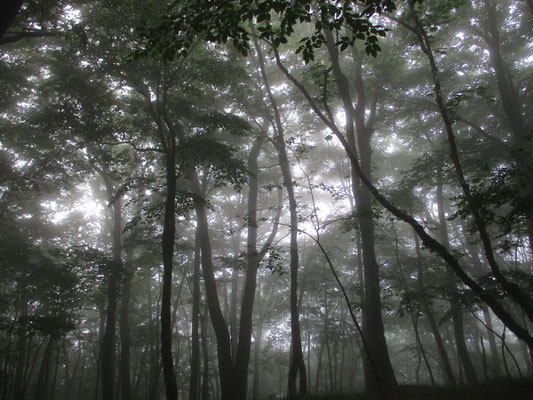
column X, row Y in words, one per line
column 265, row 199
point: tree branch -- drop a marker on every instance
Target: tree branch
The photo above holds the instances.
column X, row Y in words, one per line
column 12, row 37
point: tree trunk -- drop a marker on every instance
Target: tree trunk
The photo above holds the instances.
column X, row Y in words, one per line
column 253, row 258
column 225, row 364
column 297, row 363
column 257, row 349
column 205, row 356
column 125, row 340
column 195, row 338
column 153, row 376
column 494, row 353
column 234, row 328
column 109, row 339
column 43, row 377
column 455, row 306
column 169, row 233
column 379, row 375
column 18, row 383
column 413, row 313
column 318, row 367
column 443, row 355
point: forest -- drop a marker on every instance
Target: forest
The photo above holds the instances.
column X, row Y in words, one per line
column 266, row 199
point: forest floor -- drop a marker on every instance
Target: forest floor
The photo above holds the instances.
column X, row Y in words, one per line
column 492, row 390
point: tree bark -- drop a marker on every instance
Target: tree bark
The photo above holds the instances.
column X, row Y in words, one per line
column 169, row 233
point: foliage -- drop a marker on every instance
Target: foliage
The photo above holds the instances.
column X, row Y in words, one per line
column 222, row 20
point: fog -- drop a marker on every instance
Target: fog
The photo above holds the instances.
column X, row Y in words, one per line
column 266, row 200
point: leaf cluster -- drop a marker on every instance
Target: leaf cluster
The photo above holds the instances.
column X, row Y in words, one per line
column 223, row 20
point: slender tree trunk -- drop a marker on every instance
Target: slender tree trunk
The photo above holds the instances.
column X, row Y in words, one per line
column 125, row 340
column 414, row 317
column 494, row 353
column 455, row 306
column 108, row 355
column 234, row 328
column 70, row 378
column 205, row 354
column 253, row 258
column 443, row 355
column 195, row 338
column 82, row 370
column 54, row 379
column 327, row 342
column 257, row 348
column 318, row 368
column 495, row 359
column 154, row 372
column 223, row 339
column 41, row 386
column 297, row 363
column 18, row 383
